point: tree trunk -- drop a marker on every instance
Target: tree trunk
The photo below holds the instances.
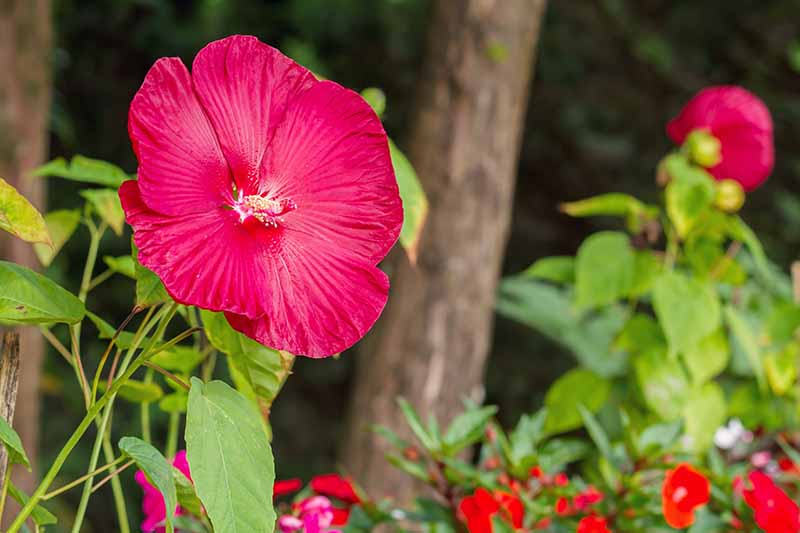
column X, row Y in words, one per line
column 25, row 48
column 432, row 342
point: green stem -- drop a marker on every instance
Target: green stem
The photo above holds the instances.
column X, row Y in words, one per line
column 172, row 435
column 100, row 278
column 116, row 488
column 80, row 480
column 164, row 319
column 145, row 410
column 6, row 483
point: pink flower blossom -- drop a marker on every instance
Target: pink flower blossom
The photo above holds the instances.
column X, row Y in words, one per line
column 153, row 506
column 264, row 193
column 314, row 515
column 742, row 124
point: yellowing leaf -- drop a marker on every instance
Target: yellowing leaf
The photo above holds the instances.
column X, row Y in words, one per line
column 19, row 217
column 415, row 203
column 106, row 203
column 61, row 224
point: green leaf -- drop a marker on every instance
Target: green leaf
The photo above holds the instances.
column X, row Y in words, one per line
column 61, row 225
column 604, row 270
column 647, row 267
column 523, row 441
column 182, row 359
column 577, row 388
column 747, row 340
column 781, row 369
column 560, row 269
column 124, row 265
column 176, row 402
column 415, row 203
column 85, row 170
column 19, row 217
column 106, row 331
column 30, row 298
column 416, row 425
column 467, row 428
column 549, row 310
column 703, row 413
column 663, row 383
column 230, row 459
column 557, row 453
column 13, row 444
column 687, row 309
column 156, row 468
column 739, row 230
column 659, row 437
column 611, row 204
column 258, row 371
column 641, row 334
column 41, row 516
column 708, row 358
column 596, row 433
column 138, row 391
column 106, row 203
column 689, row 194
column 187, row 497
column 411, row 468
column 149, row 289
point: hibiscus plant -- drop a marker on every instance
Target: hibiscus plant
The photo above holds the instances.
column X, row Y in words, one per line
column 263, row 201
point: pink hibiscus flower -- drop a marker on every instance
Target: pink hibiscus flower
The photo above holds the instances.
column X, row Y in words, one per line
column 741, row 123
column 264, row 193
column 153, row 506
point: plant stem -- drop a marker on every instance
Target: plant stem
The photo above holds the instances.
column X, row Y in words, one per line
column 164, row 319
column 55, row 343
column 80, row 480
column 172, row 435
column 113, row 475
column 145, row 410
column 167, row 374
column 116, row 488
column 100, row 278
column 4, row 494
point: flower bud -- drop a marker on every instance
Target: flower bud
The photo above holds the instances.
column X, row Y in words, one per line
column 729, row 196
column 704, row 149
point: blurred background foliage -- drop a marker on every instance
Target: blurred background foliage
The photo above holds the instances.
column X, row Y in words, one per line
column 610, row 73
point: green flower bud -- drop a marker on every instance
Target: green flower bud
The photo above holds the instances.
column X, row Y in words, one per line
column 730, row 196
column 704, row 149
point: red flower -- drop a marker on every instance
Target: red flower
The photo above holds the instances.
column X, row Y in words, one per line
column 683, row 491
column 561, row 479
column 741, row 123
column 593, row 524
column 340, row 516
column 287, row 486
column 335, row 486
column 587, row 498
column 562, row 507
column 774, row 511
column 264, row 193
column 479, row 509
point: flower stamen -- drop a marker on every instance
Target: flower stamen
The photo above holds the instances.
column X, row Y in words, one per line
column 266, row 210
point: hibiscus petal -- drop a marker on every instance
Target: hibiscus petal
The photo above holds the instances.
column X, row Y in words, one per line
column 323, row 300
column 331, row 157
column 244, row 86
column 181, row 167
column 206, row 259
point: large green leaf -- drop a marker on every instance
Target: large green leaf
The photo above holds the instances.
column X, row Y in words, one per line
column 573, row 389
column 106, row 203
column 687, row 309
column 13, row 445
column 605, row 269
column 230, row 459
column 708, row 358
column 663, row 383
column 84, row 169
column 30, row 298
column 61, row 224
column 415, row 203
column 258, row 371
column 19, row 217
column 703, row 413
column 549, row 310
column 156, row 468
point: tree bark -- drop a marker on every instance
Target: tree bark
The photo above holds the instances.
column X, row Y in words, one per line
column 25, row 51
column 432, row 342
column 9, row 383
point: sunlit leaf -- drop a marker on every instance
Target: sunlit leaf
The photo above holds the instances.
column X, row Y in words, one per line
column 605, row 269
column 560, row 269
column 576, row 388
column 149, row 288
column 13, row 445
column 703, row 412
column 124, row 265
column 415, row 203
column 687, row 309
column 19, row 217
column 84, row 169
column 107, row 204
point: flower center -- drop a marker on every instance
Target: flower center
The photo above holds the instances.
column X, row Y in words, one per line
column 679, row 494
column 266, row 210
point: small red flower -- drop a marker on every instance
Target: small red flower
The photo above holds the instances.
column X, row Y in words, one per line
column 335, row 486
column 536, row 472
column 593, row 524
column 587, row 498
column 773, row 510
column 562, row 507
column 479, row 509
column 561, row 479
column 264, row 193
column 683, row 491
column 742, row 124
